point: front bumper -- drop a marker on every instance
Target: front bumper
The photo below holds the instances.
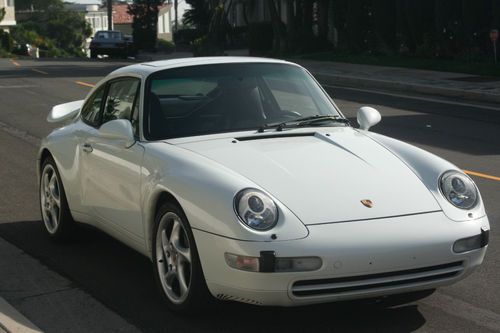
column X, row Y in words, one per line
column 360, row 260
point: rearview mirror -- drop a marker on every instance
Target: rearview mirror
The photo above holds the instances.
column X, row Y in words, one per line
column 368, row 117
column 118, row 129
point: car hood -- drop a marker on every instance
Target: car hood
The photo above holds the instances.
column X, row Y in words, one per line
column 322, row 177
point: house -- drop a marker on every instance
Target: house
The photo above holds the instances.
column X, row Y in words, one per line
column 9, row 19
column 95, row 15
column 164, row 22
column 122, row 20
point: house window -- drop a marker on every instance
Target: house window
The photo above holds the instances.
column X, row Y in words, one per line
column 10, row 3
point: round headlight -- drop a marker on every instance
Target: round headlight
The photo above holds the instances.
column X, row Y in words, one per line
column 256, row 209
column 459, row 189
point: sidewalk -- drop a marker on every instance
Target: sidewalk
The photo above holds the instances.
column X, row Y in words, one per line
column 455, row 85
column 35, row 299
column 392, row 79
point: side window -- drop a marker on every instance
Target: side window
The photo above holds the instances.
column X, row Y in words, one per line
column 120, row 99
column 91, row 109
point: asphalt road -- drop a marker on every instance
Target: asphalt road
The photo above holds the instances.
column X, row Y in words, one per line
column 121, row 279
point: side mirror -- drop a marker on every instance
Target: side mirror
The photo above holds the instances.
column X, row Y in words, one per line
column 368, row 117
column 119, row 130
column 63, row 112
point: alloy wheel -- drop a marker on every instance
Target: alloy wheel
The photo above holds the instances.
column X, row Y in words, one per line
column 173, row 258
column 50, row 198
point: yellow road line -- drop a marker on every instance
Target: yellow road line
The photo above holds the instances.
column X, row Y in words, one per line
column 39, row 71
column 482, row 175
column 15, row 63
column 85, row 84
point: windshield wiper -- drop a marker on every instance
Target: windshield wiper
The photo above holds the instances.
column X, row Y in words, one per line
column 306, row 121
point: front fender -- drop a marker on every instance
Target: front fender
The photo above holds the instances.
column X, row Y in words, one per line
column 205, row 190
column 429, row 168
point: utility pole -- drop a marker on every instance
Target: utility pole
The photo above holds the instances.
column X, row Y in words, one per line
column 110, row 14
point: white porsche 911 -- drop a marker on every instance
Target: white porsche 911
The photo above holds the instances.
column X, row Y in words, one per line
column 242, row 180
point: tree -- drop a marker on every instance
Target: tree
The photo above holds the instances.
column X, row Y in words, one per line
column 145, row 22
column 210, row 17
column 25, row 5
column 54, row 28
column 279, row 29
column 198, row 15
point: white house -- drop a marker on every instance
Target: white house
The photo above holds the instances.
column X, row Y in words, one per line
column 96, row 16
column 9, row 19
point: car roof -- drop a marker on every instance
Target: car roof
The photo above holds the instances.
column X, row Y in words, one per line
column 146, row 68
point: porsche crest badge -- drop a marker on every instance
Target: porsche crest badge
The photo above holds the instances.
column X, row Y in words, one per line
column 367, row 203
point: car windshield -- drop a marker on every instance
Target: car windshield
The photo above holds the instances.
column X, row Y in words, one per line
column 208, row 99
column 108, row 35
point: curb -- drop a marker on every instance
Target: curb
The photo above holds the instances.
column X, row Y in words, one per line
column 357, row 82
column 12, row 321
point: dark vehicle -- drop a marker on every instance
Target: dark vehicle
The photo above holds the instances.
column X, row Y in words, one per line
column 109, row 42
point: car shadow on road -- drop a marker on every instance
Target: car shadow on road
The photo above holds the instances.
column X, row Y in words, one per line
column 122, row 280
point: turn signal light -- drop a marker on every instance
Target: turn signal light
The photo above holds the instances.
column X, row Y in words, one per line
column 269, row 263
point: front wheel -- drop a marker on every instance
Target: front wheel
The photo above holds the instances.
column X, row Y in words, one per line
column 56, row 215
column 177, row 266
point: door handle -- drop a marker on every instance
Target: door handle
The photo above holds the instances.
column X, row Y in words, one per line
column 87, row 148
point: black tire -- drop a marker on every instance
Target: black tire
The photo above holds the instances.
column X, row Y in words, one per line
column 62, row 229
column 198, row 297
column 93, row 54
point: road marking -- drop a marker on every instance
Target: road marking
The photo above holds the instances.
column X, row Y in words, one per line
column 39, row 71
column 15, row 63
column 458, row 308
column 482, row 175
column 85, row 84
column 427, row 99
column 18, row 86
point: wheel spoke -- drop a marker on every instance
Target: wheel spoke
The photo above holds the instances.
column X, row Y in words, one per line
column 164, row 243
column 46, row 182
column 183, row 284
column 170, row 276
column 184, row 252
column 175, row 234
column 54, row 216
column 54, row 188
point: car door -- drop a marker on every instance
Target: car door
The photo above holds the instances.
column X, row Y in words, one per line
column 112, row 170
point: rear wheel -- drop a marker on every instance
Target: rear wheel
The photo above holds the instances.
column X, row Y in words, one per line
column 93, row 54
column 53, row 204
column 177, row 266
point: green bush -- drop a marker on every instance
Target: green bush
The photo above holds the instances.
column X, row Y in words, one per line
column 260, row 37
column 165, row 46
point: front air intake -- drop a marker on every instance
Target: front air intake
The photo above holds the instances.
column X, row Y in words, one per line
column 386, row 280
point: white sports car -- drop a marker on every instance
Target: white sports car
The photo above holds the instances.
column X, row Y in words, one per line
column 242, row 180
